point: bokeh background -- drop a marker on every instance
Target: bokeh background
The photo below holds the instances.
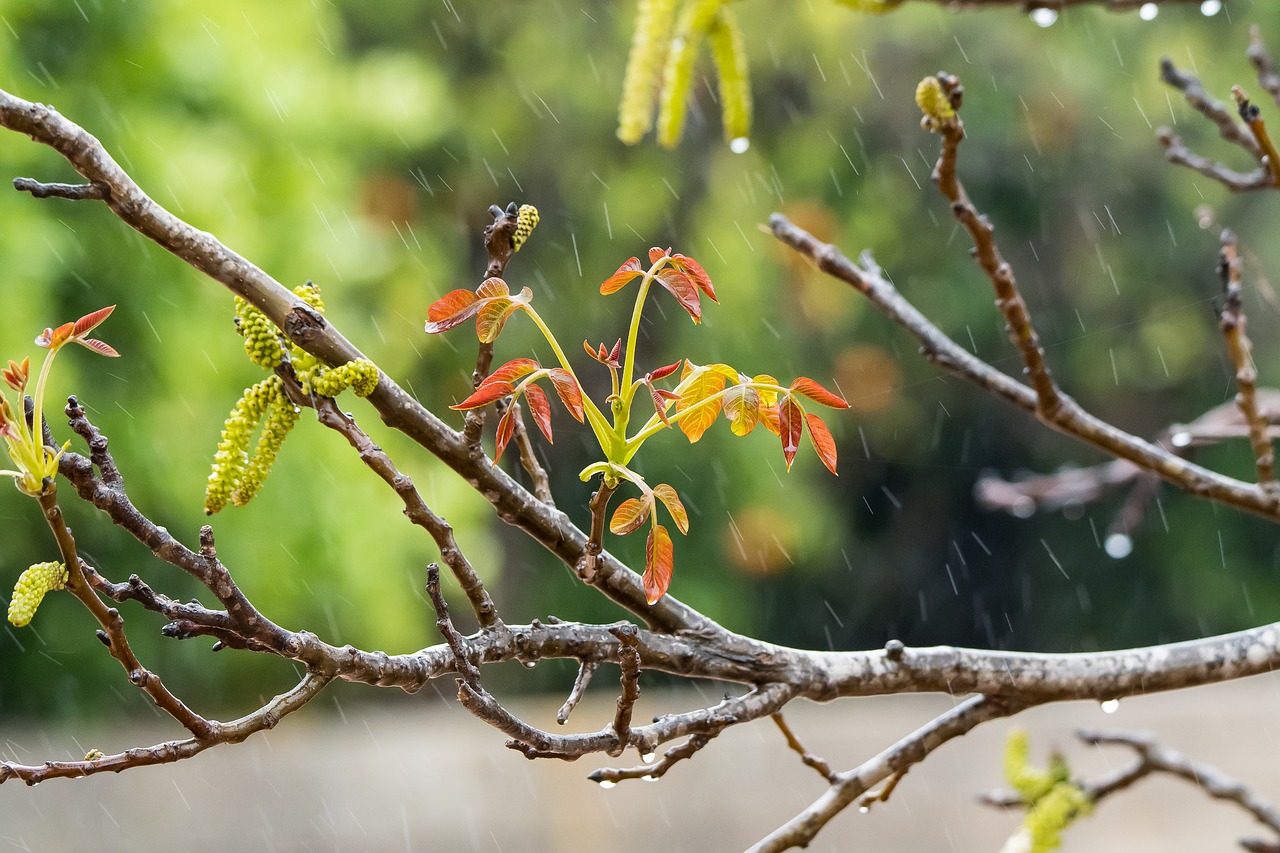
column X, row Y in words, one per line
column 359, row 145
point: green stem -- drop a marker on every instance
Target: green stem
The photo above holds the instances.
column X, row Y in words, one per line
column 604, row 433
column 629, row 357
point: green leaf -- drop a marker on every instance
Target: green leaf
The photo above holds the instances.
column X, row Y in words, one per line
column 659, row 562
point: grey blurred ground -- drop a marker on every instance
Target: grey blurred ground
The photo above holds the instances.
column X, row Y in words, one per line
column 426, row 776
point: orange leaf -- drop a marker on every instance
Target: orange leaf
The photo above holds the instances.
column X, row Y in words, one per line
column 506, row 429
column 661, row 400
column 570, row 394
column 450, row 310
column 662, row 372
column 671, row 501
column 485, row 394
column 659, row 561
column 629, row 515
column 806, row 386
column 742, row 408
column 512, row 370
column 695, row 271
column 492, row 317
column 540, row 408
column 822, row 441
column 100, row 347
column 700, row 388
column 790, row 426
column 622, row 277
column 656, row 254
column 492, row 287
column 684, row 290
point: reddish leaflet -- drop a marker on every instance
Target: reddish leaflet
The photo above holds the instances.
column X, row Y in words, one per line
column 701, row 394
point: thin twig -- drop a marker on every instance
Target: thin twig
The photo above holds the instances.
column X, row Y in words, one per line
column 1232, row 321
column 809, row 759
column 1261, row 60
column 653, row 769
column 599, row 506
column 586, row 669
column 73, row 192
column 629, row 662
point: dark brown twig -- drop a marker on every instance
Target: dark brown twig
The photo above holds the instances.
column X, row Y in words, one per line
column 653, row 769
column 629, row 663
column 586, row 669
column 599, row 506
column 73, row 192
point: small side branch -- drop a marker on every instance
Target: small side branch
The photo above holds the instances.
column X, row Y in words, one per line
column 807, row 757
column 1240, row 350
column 629, row 662
column 73, row 192
column 586, row 669
column 1260, row 58
column 599, row 505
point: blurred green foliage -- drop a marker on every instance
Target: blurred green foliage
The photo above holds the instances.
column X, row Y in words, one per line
column 359, row 145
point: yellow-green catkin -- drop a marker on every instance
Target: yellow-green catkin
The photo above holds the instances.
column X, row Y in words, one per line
column 30, row 590
column 649, row 45
column 360, row 375
column 1031, row 783
column 730, row 57
column 310, row 294
column 1053, row 801
column 1053, row 813
column 232, row 456
column 526, row 220
column 279, row 417
column 933, row 102
column 677, row 78
column 261, row 338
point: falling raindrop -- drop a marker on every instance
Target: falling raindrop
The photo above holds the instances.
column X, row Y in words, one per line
column 740, row 145
column 1044, row 17
column 1148, row 11
column 607, row 783
column 1110, row 706
column 1118, row 546
column 1209, row 8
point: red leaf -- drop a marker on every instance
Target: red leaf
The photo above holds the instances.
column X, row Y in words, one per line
column 100, row 347
column 661, row 400
column 450, row 310
column 615, row 354
column 742, row 408
column 790, row 426
column 663, row 372
column 671, row 501
column 506, row 429
column 822, row 441
column 16, row 375
column 695, row 271
column 659, row 561
column 806, row 386
column 89, row 322
column 622, row 277
column 656, row 254
column 512, row 370
column 684, row 290
column 540, row 408
column 570, row 394
column 485, row 394
column 629, row 515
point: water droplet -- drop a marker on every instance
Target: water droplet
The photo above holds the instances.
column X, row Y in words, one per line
column 1023, row 507
column 530, row 664
column 739, row 145
column 1044, row 17
column 1118, row 546
column 1209, row 8
column 1148, row 11
column 1110, row 706
column 607, row 783
column 1181, row 439
column 649, row 778
column 647, row 757
column 864, row 809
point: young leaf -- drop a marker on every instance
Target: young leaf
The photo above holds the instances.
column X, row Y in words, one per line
column 100, row 347
column 540, row 408
column 570, row 394
column 684, row 290
column 89, row 322
column 492, row 317
column 806, row 386
column 506, row 429
column 700, row 387
column 622, row 277
column 656, row 254
column 491, row 288
column 16, row 375
column 659, row 561
column 671, row 501
column 694, row 270
column 742, row 408
column 768, row 402
column 790, row 426
column 629, row 515
column 662, row 372
column 451, row 310
column 661, row 400
column 485, row 394
column 822, row 441
column 512, row 370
